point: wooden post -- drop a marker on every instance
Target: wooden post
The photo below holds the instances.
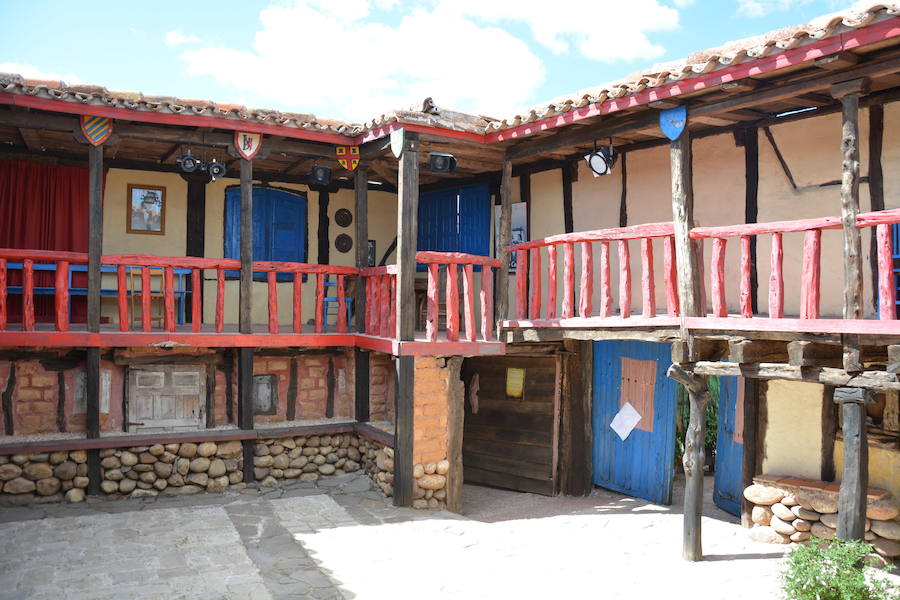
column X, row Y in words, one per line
column 748, row 456
column 690, row 304
column 683, row 220
column 848, row 93
column 407, row 223
column 361, row 358
column 501, row 290
column 855, row 480
column 876, row 186
column 693, row 460
column 245, row 316
column 92, row 363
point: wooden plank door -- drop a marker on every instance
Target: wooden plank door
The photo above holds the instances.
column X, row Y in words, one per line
column 728, row 487
column 642, row 464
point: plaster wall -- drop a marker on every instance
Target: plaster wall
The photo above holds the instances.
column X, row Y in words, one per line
column 884, row 467
column 793, row 438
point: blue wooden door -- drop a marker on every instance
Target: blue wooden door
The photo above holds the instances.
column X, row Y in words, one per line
column 642, row 464
column 728, row 487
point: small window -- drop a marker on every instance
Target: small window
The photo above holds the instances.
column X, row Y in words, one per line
column 81, row 392
column 265, row 394
column 166, row 397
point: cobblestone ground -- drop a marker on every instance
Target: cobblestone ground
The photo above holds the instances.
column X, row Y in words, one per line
column 340, row 539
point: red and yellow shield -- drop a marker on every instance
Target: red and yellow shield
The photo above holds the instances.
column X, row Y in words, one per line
column 96, row 129
column 348, row 156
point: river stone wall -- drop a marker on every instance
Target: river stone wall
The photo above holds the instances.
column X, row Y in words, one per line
column 784, row 514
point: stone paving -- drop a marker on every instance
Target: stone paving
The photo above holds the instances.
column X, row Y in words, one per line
column 341, row 539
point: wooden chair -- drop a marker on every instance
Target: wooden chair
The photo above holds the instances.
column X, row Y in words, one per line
column 134, row 274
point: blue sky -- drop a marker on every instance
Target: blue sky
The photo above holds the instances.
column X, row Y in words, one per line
column 354, row 59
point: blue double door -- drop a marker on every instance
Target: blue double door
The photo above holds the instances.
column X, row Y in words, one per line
column 643, row 463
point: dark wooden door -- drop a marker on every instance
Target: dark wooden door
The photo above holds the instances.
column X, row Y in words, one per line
column 510, row 438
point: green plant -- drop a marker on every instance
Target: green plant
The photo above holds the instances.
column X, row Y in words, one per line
column 835, row 570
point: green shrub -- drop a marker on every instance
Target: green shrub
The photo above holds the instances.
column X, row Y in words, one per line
column 835, row 570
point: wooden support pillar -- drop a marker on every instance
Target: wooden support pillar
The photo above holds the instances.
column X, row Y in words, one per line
column 407, row 229
column 361, row 358
column 749, row 468
column 92, row 363
column 691, row 302
column 848, row 93
column 195, row 243
column 694, row 459
column 245, row 316
column 683, row 220
column 501, row 288
column 855, row 479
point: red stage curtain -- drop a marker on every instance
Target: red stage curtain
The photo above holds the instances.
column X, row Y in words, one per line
column 44, row 207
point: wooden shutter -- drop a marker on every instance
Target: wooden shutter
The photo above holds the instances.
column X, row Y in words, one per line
column 166, row 397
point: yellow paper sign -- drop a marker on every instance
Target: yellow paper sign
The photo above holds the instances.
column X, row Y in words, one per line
column 515, row 382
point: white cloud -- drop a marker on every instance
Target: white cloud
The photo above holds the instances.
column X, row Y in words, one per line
column 604, row 30
column 761, row 8
column 178, row 37
column 338, row 59
column 683, row 3
column 32, row 72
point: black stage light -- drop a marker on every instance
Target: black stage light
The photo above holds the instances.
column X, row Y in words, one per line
column 320, row 175
column 440, row 162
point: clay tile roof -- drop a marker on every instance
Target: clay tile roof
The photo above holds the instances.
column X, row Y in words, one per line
column 861, row 14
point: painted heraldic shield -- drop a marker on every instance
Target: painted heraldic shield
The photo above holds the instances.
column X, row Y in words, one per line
column 673, row 121
column 247, row 144
column 96, row 129
column 348, row 156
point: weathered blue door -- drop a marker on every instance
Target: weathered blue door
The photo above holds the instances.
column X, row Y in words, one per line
column 728, row 487
column 642, row 464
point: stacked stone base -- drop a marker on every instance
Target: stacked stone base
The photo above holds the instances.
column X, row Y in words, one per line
column 430, row 481
column 183, row 468
column 785, row 514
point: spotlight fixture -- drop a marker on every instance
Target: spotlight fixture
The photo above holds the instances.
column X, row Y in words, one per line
column 188, row 163
column 215, row 169
column 440, row 162
column 601, row 160
column 320, row 175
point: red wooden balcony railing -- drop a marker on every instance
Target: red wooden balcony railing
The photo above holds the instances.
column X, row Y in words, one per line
column 529, row 260
column 381, row 300
column 29, row 261
column 811, row 270
column 450, row 263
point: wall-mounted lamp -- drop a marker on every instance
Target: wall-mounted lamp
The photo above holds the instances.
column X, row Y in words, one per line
column 440, row 162
column 601, row 160
column 320, row 175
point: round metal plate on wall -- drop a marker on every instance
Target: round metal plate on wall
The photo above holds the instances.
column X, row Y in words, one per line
column 343, row 217
column 343, row 243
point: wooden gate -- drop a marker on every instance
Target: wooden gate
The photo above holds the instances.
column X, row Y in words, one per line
column 630, row 378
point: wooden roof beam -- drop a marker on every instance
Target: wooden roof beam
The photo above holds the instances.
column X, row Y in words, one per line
column 31, row 138
column 838, row 61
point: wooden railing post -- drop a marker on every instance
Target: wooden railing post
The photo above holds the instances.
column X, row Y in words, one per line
column 670, row 274
column 887, row 301
column 272, row 304
column 605, row 281
column 318, row 318
column 717, row 278
column 27, row 295
column 648, row 285
column 169, row 298
column 534, row 310
column 776, row 279
column 487, row 302
column 61, row 296
column 746, row 297
column 3, row 293
column 551, row 281
column 196, row 299
column 220, row 300
column 522, row 284
column 586, row 291
column 809, row 278
column 431, row 319
column 568, row 306
column 469, row 301
column 624, row 279
column 452, row 301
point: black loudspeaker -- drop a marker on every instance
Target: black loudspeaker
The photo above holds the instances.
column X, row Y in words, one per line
column 320, row 175
column 215, row 169
column 439, row 162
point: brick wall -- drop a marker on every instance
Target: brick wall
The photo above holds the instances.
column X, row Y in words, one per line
column 430, row 401
column 382, row 387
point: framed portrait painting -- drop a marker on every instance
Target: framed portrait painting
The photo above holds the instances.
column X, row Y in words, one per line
column 146, row 209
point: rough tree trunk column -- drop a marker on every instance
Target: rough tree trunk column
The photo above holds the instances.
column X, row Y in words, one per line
column 245, row 316
column 690, row 301
column 848, row 93
column 501, row 289
column 92, row 364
